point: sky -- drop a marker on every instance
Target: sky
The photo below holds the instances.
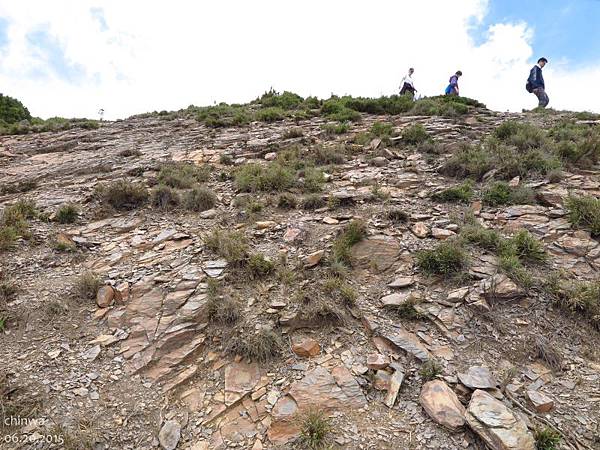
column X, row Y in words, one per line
column 70, row 58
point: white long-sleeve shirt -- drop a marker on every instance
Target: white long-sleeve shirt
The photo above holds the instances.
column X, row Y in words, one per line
column 408, row 80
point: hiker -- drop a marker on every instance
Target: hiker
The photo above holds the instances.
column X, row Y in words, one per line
column 407, row 84
column 452, row 88
column 535, row 83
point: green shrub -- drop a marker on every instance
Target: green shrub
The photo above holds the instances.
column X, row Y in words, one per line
column 256, row 177
column 511, row 265
column 8, row 237
column 165, row 197
column 527, row 247
column 522, row 135
column 258, row 266
column 547, row 439
column 382, row 129
column 353, row 233
column 488, row 239
column 468, row 161
column 501, row 193
column 67, row 214
column 430, row 370
column 448, row 258
column 323, row 155
column 584, row 212
column 314, row 429
column 314, row 201
column 270, row 115
column 287, row 201
column 344, row 115
column 199, row 199
column 182, row 175
column 581, row 297
column 12, row 110
column 415, row 134
column 314, row 179
column 457, row 194
column 286, row 100
column 122, row 194
column 230, row 245
column 336, row 128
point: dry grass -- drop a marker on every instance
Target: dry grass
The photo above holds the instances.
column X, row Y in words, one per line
column 122, row 194
column 231, row 245
column 315, row 428
column 86, row 286
column 262, row 346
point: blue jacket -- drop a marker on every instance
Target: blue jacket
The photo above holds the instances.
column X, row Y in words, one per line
column 536, row 79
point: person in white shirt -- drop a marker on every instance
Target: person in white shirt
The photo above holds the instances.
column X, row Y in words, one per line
column 407, row 84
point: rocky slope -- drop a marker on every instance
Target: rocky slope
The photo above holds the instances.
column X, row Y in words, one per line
column 483, row 361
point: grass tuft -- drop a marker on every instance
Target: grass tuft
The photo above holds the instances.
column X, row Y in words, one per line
column 448, row 258
column 199, row 199
column 262, row 346
column 314, row 430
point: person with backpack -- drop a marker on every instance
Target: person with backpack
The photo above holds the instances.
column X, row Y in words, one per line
column 452, row 88
column 407, row 84
column 535, row 83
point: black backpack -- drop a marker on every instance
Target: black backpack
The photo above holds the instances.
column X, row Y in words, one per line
column 528, row 87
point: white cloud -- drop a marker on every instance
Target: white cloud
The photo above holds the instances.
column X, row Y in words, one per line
column 152, row 55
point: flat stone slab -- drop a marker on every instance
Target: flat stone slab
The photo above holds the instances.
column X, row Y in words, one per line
column 442, row 405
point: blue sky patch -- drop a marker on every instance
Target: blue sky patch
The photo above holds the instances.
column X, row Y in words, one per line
column 3, row 31
column 98, row 14
column 564, row 30
column 49, row 50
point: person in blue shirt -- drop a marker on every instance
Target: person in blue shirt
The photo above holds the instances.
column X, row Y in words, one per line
column 452, row 88
column 536, row 85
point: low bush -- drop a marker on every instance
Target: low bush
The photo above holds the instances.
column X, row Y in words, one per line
column 257, row 177
column 584, row 212
column 448, row 258
column 182, row 175
column 457, row 194
column 165, row 197
column 122, row 194
column 199, row 199
column 415, row 134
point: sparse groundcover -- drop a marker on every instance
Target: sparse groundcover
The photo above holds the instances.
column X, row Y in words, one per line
column 397, row 215
column 67, row 214
column 315, row 428
column 86, row 286
column 287, row 201
column 292, row 133
column 322, row 155
column 415, row 134
column 430, row 370
column 313, row 180
column 501, row 193
column 165, row 197
column 258, row 266
column 584, row 212
column 270, row 177
column 581, row 297
column 19, row 187
column 547, row 439
column 14, row 222
column 313, row 201
column 182, row 175
column 262, row 346
column 336, row 128
column 231, row 245
column 447, row 258
column 382, row 129
column 462, row 193
column 122, row 194
column 199, row 199
column 340, row 289
column 352, row 234
column 223, row 310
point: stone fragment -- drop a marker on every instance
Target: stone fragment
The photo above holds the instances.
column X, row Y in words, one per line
column 441, row 233
column 442, row 405
column 169, row 435
column 401, row 282
column 498, row 426
column 376, row 361
column 292, row 234
column 263, row 225
column 376, row 253
column 105, row 296
column 381, row 380
column 408, row 342
column 478, row 377
column 500, row 287
column 420, row 230
column 394, row 388
column 313, row 259
column 240, row 379
column 540, row 401
column 305, row 347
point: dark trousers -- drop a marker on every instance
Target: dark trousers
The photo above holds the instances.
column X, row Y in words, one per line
column 407, row 88
column 543, row 99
